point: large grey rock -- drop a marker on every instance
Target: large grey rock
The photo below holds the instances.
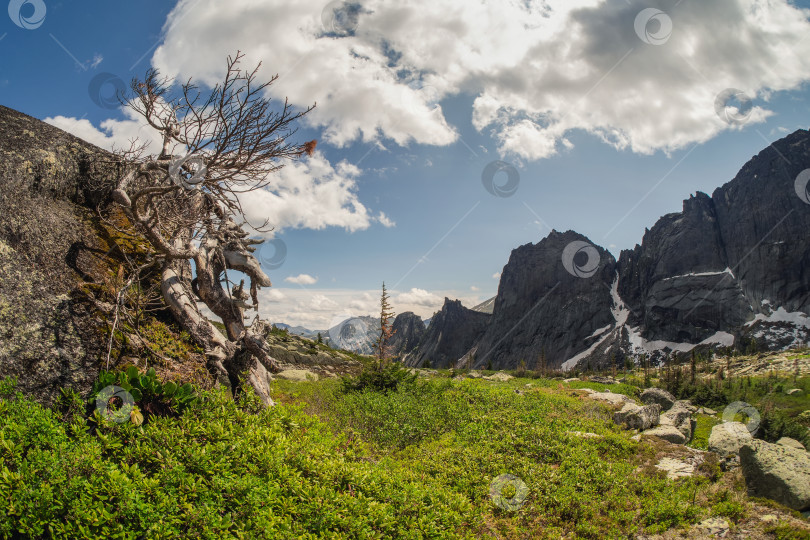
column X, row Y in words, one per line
column 659, row 396
column 668, row 433
column 609, row 397
column 50, row 249
column 727, row 438
column 777, row 472
column 686, row 404
column 298, row 375
column 452, row 333
column 793, row 443
column 633, row 416
column 680, row 417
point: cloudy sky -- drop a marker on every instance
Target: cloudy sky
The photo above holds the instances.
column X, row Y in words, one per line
column 450, row 131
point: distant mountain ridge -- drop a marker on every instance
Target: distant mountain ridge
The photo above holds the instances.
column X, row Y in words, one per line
column 487, row 306
column 731, row 269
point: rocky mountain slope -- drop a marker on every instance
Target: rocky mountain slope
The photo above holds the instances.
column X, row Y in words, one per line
column 409, row 329
column 486, row 306
column 452, row 331
column 731, row 269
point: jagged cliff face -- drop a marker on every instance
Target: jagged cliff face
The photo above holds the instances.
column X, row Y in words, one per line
column 678, row 284
column 409, row 329
column 548, row 299
column 728, row 269
column 741, row 254
column 452, row 332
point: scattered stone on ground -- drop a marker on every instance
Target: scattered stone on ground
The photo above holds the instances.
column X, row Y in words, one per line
column 602, row 380
column 675, row 468
column 583, row 435
column 727, row 438
column 715, row 527
column 795, row 392
column 572, row 379
column 706, row 410
column 499, row 377
column 777, row 472
column 659, row 396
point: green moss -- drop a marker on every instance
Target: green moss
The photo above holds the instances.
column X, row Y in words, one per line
column 703, row 428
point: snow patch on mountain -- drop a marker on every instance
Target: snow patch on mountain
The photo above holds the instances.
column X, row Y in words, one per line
column 693, row 274
column 796, row 318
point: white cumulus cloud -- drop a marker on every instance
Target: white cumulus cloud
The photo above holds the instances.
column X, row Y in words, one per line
column 301, row 279
column 537, row 70
column 420, row 297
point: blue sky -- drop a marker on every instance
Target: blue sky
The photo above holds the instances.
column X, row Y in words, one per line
column 607, row 131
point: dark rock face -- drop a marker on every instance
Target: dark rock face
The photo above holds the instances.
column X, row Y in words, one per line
column 541, row 306
column 764, row 226
column 676, row 282
column 726, row 258
column 408, row 331
column 451, row 334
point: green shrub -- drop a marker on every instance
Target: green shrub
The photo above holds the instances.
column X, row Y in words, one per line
column 215, row 471
column 775, row 424
column 379, row 376
column 150, row 395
